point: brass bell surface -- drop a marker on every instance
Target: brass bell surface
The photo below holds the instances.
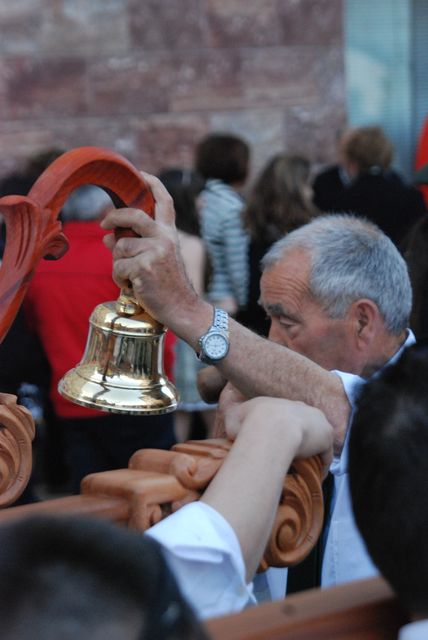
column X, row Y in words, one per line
column 122, row 368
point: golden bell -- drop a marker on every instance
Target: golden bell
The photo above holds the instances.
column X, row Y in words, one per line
column 122, row 368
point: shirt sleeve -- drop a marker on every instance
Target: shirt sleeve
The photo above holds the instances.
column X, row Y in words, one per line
column 204, row 554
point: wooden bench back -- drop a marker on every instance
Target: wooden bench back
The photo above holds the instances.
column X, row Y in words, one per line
column 362, row 610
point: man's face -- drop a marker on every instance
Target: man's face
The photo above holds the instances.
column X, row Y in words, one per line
column 298, row 321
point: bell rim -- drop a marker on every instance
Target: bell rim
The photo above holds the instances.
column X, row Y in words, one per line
column 120, row 409
column 164, row 395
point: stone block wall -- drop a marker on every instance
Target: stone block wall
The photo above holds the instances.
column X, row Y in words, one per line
column 149, row 78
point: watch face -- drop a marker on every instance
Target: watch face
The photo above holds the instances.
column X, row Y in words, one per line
column 216, row 346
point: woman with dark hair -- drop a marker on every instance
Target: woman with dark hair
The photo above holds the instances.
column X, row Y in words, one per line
column 280, row 202
column 223, row 160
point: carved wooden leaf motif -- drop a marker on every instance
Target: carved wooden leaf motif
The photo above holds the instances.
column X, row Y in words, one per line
column 16, row 435
column 194, row 463
column 148, row 492
column 30, row 234
column 300, row 512
column 299, row 517
column 32, row 229
column 33, row 232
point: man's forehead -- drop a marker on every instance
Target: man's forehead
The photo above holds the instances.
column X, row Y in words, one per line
column 286, row 282
column 294, row 265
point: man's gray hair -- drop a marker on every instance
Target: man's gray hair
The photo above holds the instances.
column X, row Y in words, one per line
column 351, row 258
column 86, row 203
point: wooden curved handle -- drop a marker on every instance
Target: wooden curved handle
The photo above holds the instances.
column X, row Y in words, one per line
column 91, row 165
column 32, row 228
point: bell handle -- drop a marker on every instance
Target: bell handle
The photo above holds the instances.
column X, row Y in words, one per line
column 32, row 228
column 91, row 165
column 105, row 169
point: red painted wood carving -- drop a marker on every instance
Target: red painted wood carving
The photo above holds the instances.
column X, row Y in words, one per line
column 32, row 228
column 33, row 232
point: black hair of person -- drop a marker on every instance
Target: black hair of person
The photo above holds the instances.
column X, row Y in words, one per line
column 79, row 577
column 388, row 455
column 184, row 186
column 223, row 156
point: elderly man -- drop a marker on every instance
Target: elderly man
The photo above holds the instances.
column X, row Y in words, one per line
column 338, row 295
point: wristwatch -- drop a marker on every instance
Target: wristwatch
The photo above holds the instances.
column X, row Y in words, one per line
column 214, row 344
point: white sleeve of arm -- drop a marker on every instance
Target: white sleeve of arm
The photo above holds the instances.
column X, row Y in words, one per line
column 203, row 552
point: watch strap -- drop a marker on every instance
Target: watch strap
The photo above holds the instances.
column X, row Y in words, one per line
column 221, row 320
column 220, row 324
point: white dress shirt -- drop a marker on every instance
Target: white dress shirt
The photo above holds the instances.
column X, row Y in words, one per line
column 345, row 555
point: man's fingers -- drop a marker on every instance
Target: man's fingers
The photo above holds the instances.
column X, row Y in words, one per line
column 130, row 269
column 109, row 241
column 139, row 221
column 146, row 248
column 232, row 409
column 164, row 211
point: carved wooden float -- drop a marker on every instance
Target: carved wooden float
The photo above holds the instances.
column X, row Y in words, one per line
column 32, row 229
column 157, row 482
column 299, row 516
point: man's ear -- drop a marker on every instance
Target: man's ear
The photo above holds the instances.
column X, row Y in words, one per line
column 365, row 318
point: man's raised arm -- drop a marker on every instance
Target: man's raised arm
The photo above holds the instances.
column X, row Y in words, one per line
column 152, row 263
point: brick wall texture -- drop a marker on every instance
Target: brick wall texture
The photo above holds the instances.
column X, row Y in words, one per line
column 149, row 78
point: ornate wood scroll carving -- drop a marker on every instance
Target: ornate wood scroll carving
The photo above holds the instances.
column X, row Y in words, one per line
column 190, row 467
column 16, row 435
column 193, row 463
column 300, row 515
column 149, row 494
column 32, row 228
column 33, row 232
column 158, row 483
